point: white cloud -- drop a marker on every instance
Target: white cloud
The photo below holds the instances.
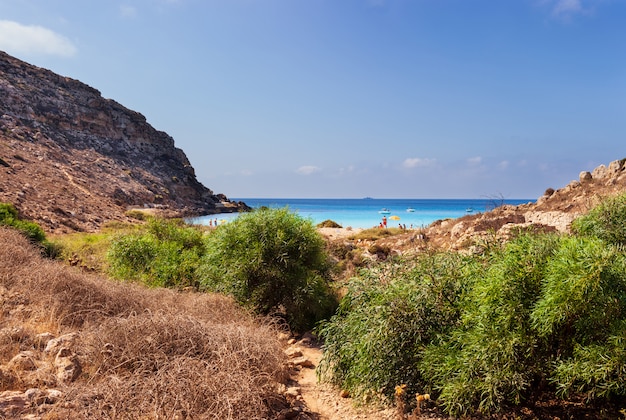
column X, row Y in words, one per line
column 417, row 162
column 565, row 9
column 476, row 160
column 16, row 38
column 307, row 169
column 504, row 164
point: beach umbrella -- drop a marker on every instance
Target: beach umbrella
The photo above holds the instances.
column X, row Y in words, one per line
column 394, row 218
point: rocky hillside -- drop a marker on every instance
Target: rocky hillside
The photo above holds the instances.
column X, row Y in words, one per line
column 72, row 160
column 554, row 211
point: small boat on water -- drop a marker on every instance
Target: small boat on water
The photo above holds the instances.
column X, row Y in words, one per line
column 385, row 211
column 410, row 209
column 469, row 210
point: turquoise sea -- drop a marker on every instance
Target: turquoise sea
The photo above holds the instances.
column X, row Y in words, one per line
column 366, row 212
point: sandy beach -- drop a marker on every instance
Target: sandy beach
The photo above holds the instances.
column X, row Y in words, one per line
column 338, row 233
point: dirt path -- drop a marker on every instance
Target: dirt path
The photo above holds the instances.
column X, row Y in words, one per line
column 323, row 400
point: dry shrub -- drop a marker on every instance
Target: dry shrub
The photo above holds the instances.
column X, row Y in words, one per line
column 168, row 364
column 145, row 353
column 494, row 224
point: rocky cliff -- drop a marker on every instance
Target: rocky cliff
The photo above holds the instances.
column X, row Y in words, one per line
column 73, row 160
column 554, row 211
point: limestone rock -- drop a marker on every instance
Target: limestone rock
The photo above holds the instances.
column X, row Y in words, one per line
column 585, row 176
column 13, row 403
column 293, row 352
column 67, row 366
column 23, row 361
column 53, row 396
column 54, row 345
column 553, row 211
column 293, row 392
column 303, row 362
column 73, row 160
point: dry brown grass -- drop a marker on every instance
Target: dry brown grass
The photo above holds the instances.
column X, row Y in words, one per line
column 144, row 353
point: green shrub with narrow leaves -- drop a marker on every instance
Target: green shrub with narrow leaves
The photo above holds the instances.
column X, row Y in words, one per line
column 606, row 221
column 494, row 356
column 597, row 370
column 387, row 318
column 273, row 261
column 582, row 315
column 167, row 254
column 545, row 313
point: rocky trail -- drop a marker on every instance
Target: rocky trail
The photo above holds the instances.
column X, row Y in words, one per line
column 320, row 401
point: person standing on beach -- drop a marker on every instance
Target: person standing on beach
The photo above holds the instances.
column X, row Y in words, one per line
column 385, row 221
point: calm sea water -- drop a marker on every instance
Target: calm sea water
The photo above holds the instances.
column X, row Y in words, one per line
column 366, row 212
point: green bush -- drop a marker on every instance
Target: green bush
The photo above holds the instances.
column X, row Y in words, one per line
column 494, row 356
column 273, row 261
column 7, row 212
column 582, row 313
column 167, row 255
column 606, row 221
column 328, row 224
column 543, row 314
column 597, row 369
column 387, row 318
column 9, row 216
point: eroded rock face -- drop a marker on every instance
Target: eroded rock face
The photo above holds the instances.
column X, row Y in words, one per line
column 554, row 211
column 72, row 160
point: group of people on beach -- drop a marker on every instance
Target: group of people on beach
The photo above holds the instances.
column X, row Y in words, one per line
column 383, row 224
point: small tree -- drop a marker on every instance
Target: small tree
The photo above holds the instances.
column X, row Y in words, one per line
column 274, row 261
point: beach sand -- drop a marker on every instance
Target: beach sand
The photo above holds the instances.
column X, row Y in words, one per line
column 338, row 233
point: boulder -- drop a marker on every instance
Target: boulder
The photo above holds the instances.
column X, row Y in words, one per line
column 67, row 366
column 585, row 176
column 54, row 345
column 13, row 403
column 23, row 361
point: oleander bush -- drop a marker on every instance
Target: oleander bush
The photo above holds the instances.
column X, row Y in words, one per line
column 273, row 261
column 548, row 316
column 582, row 315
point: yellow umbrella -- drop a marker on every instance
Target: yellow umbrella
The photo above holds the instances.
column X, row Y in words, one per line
column 394, row 218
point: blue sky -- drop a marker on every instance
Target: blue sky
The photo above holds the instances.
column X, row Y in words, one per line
column 353, row 98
